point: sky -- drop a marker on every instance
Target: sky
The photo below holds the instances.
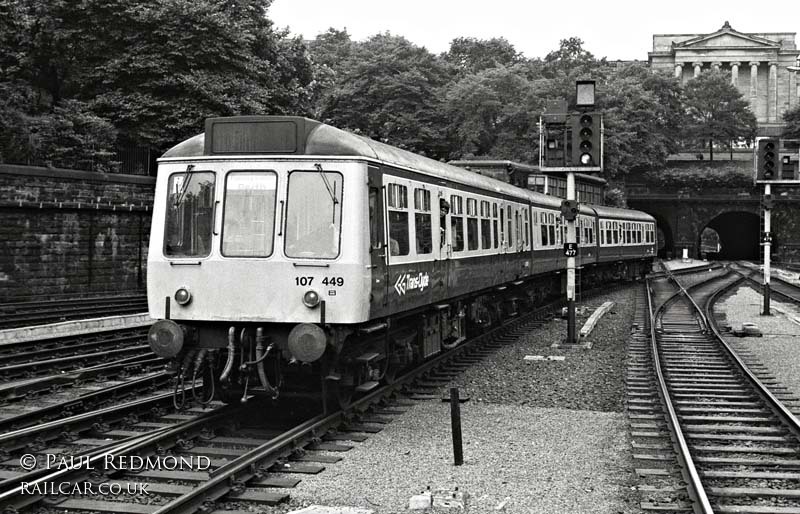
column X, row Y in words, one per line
column 614, row 29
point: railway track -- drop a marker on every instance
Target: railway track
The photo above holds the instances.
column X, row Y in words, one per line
column 72, row 353
column 28, row 313
column 255, row 467
column 710, row 434
column 778, row 286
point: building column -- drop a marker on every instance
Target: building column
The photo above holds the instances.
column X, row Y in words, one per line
column 715, row 66
column 753, row 78
column 792, row 89
column 697, row 67
column 735, row 73
column 678, row 70
column 772, row 92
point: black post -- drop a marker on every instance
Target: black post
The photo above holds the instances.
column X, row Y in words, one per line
column 455, row 420
column 766, row 291
column 571, row 322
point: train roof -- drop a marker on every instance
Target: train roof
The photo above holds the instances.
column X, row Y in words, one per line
column 294, row 135
column 627, row 214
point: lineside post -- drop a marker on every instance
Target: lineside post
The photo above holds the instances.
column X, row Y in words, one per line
column 767, row 242
column 571, row 238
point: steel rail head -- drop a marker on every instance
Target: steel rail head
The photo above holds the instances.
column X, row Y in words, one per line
column 695, row 489
column 101, row 456
column 59, row 424
column 777, row 406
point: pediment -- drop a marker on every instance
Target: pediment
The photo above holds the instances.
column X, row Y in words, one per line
column 727, row 37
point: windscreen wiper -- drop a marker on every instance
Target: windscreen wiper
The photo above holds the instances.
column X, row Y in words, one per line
column 185, row 187
column 331, row 190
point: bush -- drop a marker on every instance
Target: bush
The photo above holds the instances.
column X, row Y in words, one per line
column 72, row 137
column 722, row 174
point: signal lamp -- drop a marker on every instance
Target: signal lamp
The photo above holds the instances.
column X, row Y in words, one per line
column 767, row 164
column 585, row 140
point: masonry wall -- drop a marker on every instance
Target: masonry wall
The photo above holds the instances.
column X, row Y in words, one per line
column 65, row 232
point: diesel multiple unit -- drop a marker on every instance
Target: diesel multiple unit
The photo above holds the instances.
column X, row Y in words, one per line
column 290, row 256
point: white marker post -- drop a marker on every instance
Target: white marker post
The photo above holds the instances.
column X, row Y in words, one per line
column 767, row 249
column 571, row 238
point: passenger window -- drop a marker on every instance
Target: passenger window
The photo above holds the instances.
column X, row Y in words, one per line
column 457, row 222
column 494, row 225
column 423, row 229
column 502, row 225
column 398, row 219
column 486, row 229
column 510, row 229
column 472, row 224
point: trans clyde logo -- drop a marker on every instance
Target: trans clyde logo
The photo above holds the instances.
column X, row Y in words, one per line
column 408, row 282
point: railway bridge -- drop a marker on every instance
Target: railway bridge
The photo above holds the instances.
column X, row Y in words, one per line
column 732, row 216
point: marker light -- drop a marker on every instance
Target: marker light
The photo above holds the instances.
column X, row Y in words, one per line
column 311, row 299
column 183, row 296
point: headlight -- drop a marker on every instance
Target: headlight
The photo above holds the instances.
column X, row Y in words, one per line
column 183, row 296
column 311, row 299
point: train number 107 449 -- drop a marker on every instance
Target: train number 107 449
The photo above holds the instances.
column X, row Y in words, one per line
column 326, row 281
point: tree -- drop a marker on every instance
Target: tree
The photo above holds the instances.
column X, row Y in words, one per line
column 153, row 69
column 471, row 55
column 643, row 115
column 570, row 60
column 391, row 90
column 328, row 53
column 716, row 110
column 493, row 113
column 792, row 119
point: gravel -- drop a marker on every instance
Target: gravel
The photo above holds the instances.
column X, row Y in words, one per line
column 585, row 379
column 541, row 436
column 777, row 349
column 536, row 460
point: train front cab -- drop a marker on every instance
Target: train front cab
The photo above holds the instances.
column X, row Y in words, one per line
column 245, row 251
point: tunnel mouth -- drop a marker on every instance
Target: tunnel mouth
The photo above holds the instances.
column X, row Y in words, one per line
column 736, row 235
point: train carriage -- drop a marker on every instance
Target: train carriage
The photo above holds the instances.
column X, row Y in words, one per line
column 297, row 250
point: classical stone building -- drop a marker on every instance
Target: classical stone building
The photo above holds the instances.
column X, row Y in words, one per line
column 758, row 64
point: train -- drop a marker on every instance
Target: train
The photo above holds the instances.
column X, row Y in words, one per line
column 288, row 257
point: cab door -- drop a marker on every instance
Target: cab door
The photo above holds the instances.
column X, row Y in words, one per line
column 378, row 250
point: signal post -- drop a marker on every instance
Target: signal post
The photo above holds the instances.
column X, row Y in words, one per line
column 584, row 155
column 771, row 168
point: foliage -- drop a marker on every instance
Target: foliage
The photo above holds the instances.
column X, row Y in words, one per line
column 642, row 114
column 328, row 52
column 493, row 113
column 472, row 55
column 154, row 70
column 615, row 197
column 792, row 119
column 716, row 110
column 390, row 90
column 72, row 137
column 570, row 60
column 707, row 175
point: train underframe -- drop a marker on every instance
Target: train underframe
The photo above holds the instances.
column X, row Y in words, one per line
column 246, row 360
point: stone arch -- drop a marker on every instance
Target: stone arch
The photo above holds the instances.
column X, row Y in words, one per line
column 665, row 239
column 739, row 233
